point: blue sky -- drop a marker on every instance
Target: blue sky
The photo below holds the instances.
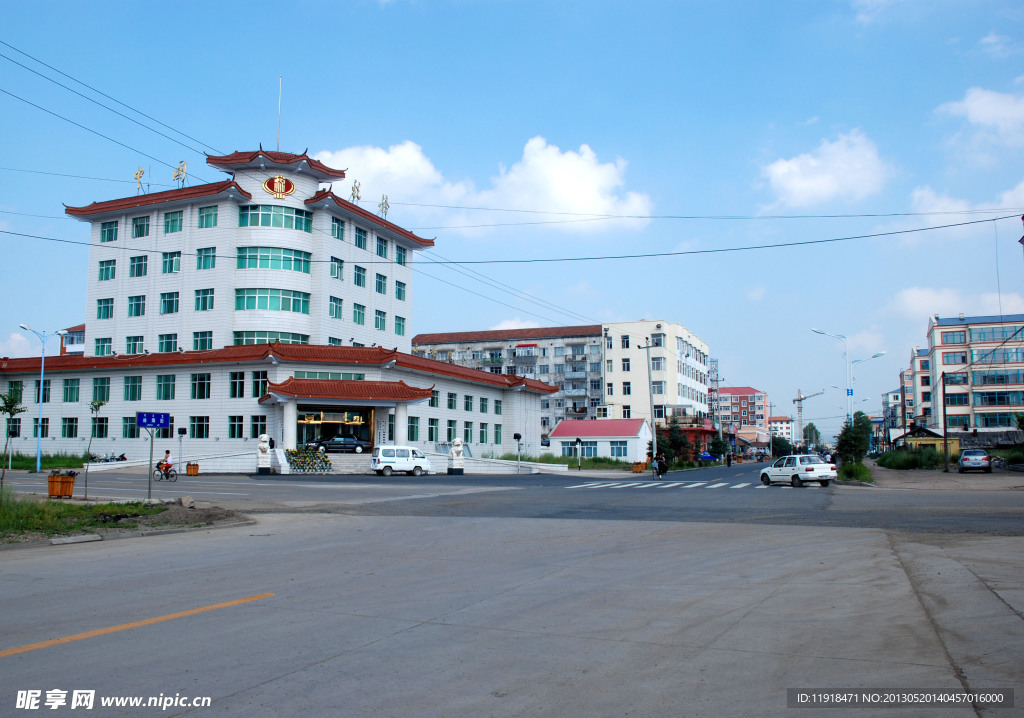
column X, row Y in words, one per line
column 585, row 129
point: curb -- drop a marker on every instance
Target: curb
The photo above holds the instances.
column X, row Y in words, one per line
column 91, row 538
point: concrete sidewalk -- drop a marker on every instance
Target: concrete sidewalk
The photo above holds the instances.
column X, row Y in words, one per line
column 937, row 479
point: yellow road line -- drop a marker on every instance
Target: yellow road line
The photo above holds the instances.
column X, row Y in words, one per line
column 126, row 626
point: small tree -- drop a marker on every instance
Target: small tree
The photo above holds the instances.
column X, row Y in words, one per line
column 781, row 446
column 812, row 437
column 94, row 407
column 852, row 443
column 719, row 446
column 10, row 406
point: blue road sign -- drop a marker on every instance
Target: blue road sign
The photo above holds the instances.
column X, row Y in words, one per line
column 149, row 420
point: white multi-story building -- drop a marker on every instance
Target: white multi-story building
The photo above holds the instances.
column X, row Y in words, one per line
column 781, row 426
column 265, row 256
column 600, row 370
column 261, row 304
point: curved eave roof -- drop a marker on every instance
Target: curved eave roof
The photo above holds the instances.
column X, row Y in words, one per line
column 342, row 390
column 325, row 197
column 277, row 352
column 261, row 159
column 228, row 189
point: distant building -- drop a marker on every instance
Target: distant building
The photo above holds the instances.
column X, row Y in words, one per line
column 741, row 406
column 781, row 426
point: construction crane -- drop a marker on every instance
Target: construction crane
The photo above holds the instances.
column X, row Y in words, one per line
column 799, row 401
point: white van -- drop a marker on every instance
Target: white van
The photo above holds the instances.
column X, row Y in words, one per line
column 386, row 460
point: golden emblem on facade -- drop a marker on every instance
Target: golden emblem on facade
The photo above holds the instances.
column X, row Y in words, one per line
column 279, row 186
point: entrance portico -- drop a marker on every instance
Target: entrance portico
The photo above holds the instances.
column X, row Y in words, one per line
column 347, row 408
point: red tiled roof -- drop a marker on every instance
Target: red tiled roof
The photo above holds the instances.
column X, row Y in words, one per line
column 738, row 390
column 590, row 330
column 779, row 418
column 145, row 200
column 76, row 328
column 244, row 159
column 597, row 428
column 307, row 353
column 326, row 194
column 347, row 390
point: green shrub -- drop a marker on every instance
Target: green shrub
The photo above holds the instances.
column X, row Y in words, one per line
column 597, row 462
column 912, row 459
column 27, row 462
column 855, row 471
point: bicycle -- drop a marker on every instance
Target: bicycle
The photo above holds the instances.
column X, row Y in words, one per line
column 168, row 475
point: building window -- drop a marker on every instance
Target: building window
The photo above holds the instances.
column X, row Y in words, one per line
column 400, row 255
column 359, row 276
column 435, row 398
column 101, row 388
column 610, row 389
column 483, row 405
column 137, row 306
column 413, row 428
column 358, row 314
column 926, row 381
column 657, row 363
column 400, row 290
column 172, row 222
column 99, row 427
column 337, row 268
column 602, row 412
column 618, row 449
column 171, row 262
column 140, row 227
column 334, row 342
column 204, row 300
column 467, row 432
column 236, row 385
column 201, row 386
column 69, row 428
column 292, row 260
column 954, row 357
column 129, row 428
column 452, row 399
column 278, row 300
column 497, row 407
column 381, row 284
column 257, row 425
column 208, row 217
column 400, row 326
column 483, row 432
column 107, row 270
column 46, row 391
column 360, row 240
column 199, row 427
column 626, row 413
column 268, row 337
column 104, row 347
column 450, row 430
column 467, row 402
column 206, row 258
column 624, row 341
column 954, row 337
column 168, row 432
column 71, row 390
column 958, row 421
column 165, row 387
column 497, row 433
column 334, row 308
column 169, row 303
column 657, row 387
column 626, row 388
column 274, row 216
column 259, row 383
column 380, row 319
column 108, row 231
column 391, row 427
column 235, row 424
column 105, row 308
column 201, row 341
column 657, row 340
column 167, row 343
column 137, row 266
column 382, row 247
column 134, row 345
column 337, row 229
column 433, row 430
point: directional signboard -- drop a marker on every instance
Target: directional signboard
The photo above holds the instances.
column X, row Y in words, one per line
column 150, row 420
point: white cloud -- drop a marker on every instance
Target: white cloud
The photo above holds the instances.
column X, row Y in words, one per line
column 17, row 345
column 996, row 116
column 545, row 179
column 998, row 45
column 869, row 10
column 849, row 169
column 756, row 294
column 516, row 323
column 920, row 303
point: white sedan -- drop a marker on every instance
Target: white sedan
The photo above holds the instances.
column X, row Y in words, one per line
column 797, row 469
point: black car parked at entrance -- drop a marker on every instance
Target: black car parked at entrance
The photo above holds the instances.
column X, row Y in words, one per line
column 343, row 444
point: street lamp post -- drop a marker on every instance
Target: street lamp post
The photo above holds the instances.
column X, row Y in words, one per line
column 853, row 379
column 43, row 336
column 650, row 396
column 846, row 358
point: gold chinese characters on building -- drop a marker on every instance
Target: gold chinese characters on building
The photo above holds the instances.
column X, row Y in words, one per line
column 279, row 186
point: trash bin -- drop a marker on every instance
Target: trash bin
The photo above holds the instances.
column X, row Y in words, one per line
column 62, row 483
column 192, row 469
column 638, row 467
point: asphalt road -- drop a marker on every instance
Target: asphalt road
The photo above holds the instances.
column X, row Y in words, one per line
column 543, row 595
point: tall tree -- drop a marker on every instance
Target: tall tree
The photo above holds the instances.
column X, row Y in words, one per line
column 812, row 437
column 854, row 439
column 10, row 406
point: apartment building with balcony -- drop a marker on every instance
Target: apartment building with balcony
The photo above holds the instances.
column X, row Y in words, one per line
column 976, row 371
column 740, row 406
column 601, row 371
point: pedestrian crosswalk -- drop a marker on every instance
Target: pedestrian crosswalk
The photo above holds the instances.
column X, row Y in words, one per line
column 680, row 485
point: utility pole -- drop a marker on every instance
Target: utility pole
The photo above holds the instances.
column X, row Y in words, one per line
column 945, row 423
